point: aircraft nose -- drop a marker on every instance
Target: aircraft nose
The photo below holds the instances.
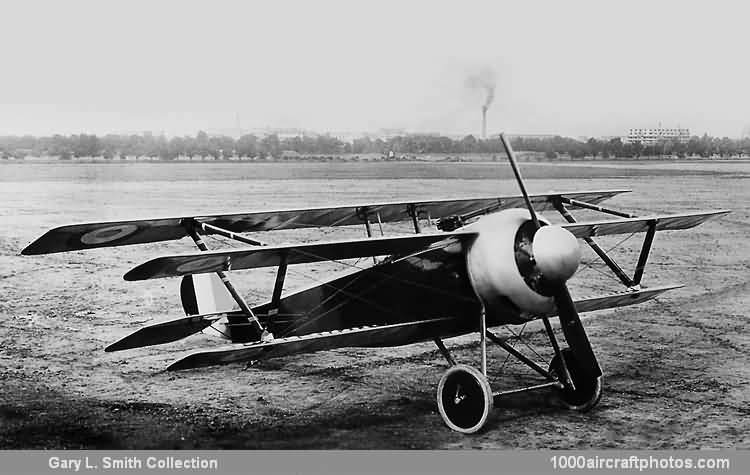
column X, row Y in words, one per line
column 556, row 253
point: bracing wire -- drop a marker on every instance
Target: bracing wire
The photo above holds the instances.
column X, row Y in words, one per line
column 360, row 297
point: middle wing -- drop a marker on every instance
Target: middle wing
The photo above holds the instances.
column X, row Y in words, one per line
column 271, row 256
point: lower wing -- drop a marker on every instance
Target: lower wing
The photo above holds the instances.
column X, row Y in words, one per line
column 379, row 336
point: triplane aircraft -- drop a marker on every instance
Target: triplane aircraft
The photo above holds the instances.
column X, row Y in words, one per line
column 495, row 261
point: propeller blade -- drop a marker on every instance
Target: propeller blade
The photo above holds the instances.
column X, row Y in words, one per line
column 572, row 328
column 575, row 335
column 517, row 173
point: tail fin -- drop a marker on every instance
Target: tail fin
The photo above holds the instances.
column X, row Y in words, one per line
column 206, row 294
column 203, row 294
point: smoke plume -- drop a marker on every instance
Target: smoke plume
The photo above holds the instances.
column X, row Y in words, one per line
column 484, row 81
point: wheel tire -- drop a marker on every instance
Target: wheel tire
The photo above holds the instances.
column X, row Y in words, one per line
column 464, row 399
column 588, row 390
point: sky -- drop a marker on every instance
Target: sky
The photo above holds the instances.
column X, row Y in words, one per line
column 575, row 68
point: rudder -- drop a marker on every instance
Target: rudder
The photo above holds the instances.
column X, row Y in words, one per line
column 203, row 294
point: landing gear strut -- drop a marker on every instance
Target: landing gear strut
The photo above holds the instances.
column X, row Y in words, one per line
column 576, row 370
column 465, row 398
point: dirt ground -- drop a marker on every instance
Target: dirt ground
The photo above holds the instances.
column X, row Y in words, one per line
column 676, row 369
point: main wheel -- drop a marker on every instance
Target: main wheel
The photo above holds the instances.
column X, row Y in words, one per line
column 464, row 399
column 588, row 390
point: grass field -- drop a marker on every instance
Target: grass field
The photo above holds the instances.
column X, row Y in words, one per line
column 676, row 369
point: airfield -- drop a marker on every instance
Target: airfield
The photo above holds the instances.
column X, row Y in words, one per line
column 676, row 369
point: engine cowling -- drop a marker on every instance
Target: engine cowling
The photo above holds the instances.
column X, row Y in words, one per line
column 506, row 259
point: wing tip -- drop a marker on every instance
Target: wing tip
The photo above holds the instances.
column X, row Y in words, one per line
column 145, row 271
column 165, row 332
column 116, row 346
column 184, row 363
column 37, row 247
column 54, row 240
column 660, row 289
column 127, row 342
column 29, row 251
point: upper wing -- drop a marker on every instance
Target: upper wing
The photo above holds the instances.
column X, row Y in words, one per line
column 270, row 256
column 120, row 233
column 641, row 224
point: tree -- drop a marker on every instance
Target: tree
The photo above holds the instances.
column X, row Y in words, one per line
column 270, row 146
column 468, row 144
column 85, row 145
column 247, row 146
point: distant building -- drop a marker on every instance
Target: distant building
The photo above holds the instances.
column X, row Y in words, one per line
column 531, row 136
column 346, row 136
column 608, row 138
column 281, row 133
column 388, row 133
column 287, row 154
column 233, row 132
column 657, row 135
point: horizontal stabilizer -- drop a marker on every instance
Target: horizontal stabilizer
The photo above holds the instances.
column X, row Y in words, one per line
column 640, row 224
column 621, row 299
column 120, row 233
column 165, row 332
column 271, row 256
column 386, row 335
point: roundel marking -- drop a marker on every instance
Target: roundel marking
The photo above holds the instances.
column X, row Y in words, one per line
column 108, row 234
column 202, row 265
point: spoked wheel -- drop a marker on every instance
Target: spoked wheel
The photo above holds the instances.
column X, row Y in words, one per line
column 464, row 399
column 588, row 390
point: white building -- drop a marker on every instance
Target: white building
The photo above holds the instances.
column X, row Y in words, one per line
column 388, row 133
column 657, row 135
column 530, row 136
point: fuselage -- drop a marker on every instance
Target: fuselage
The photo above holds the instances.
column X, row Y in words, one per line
column 449, row 280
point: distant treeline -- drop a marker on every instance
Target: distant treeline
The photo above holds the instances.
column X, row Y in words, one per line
column 271, row 146
column 704, row 146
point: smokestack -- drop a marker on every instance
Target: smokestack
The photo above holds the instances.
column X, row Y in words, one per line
column 484, row 122
column 485, row 82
